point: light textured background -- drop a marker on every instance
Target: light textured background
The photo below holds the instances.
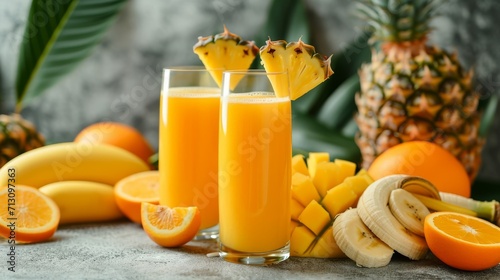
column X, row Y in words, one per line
column 120, row 81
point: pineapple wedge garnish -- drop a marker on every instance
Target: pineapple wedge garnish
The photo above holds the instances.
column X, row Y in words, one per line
column 225, row 51
column 306, row 68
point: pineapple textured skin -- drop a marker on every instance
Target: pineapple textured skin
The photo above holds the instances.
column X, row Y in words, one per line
column 305, row 67
column 17, row 136
column 414, row 91
column 225, row 51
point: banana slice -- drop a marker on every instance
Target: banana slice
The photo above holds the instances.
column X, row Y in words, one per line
column 374, row 212
column 358, row 242
column 408, row 210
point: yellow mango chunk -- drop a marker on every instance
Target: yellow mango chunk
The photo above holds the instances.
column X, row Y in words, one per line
column 299, row 165
column 326, row 247
column 327, row 176
column 293, row 225
column 359, row 183
column 347, row 168
column 314, row 159
column 368, row 178
column 362, row 172
column 315, row 217
column 339, row 199
column 300, row 241
column 295, row 209
column 303, row 189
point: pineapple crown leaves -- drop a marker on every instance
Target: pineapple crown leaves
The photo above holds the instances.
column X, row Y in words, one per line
column 398, row 20
column 226, row 35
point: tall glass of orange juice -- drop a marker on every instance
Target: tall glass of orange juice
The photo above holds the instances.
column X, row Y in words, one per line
column 255, row 149
column 188, row 144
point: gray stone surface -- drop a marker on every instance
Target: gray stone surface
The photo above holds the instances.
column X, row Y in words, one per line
column 122, row 250
column 120, row 81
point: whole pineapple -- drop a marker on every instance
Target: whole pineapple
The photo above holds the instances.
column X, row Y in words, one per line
column 411, row 90
column 17, row 136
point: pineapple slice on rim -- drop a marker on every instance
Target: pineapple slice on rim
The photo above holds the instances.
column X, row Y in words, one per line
column 225, row 51
column 306, row 68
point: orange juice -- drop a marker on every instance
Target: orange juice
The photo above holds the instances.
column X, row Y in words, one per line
column 255, row 173
column 189, row 124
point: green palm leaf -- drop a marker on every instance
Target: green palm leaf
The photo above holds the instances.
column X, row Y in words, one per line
column 59, row 35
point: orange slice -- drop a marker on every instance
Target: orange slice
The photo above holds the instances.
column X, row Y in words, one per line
column 170, row 227
column 132, row 190
column 461, row 241
column 28, row 215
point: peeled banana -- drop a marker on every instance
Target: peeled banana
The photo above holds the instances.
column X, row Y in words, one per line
column 408, row 210
column 373, row 211
column 358, row 242
column 83, row 201
column 69, row 161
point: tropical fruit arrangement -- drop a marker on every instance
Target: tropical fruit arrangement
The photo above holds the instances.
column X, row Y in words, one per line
column 371, row 219
column 416, row 102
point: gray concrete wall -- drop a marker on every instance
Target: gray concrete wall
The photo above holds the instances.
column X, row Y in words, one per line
column 120, row 81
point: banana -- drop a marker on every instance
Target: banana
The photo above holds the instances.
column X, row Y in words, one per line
column 373, row 211
column 83, row 201
column 418, row 185
column 408, row 210
column 439, row 205
column 358, row 242
column 69, row 161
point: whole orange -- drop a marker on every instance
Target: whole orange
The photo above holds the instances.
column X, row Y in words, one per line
column 117, row 134
column 424, row 159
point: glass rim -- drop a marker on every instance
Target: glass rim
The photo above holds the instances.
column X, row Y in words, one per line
column 262, row 72
column 190, row 68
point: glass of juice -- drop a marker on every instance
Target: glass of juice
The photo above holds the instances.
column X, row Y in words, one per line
column 255, row 149
column 189, row 129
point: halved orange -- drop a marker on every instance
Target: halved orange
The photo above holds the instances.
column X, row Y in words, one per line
column 132, row 190
column 28, row 215
column 461, row 241
column 170, row 227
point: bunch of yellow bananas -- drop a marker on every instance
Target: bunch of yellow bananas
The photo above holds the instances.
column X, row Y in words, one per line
column 79, row 177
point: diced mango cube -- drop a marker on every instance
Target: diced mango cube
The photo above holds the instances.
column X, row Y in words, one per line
column 326, row 177
column 339, row 199
column 299, row 165
column 359, row 183
column 300, row 241
column 295, row 209
column 293, row 225
column 362, row 171
column 347, row 168
column 368, row 178
column 315, row 217
column 314, row 159
column 326, row 247
column 303, row 189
